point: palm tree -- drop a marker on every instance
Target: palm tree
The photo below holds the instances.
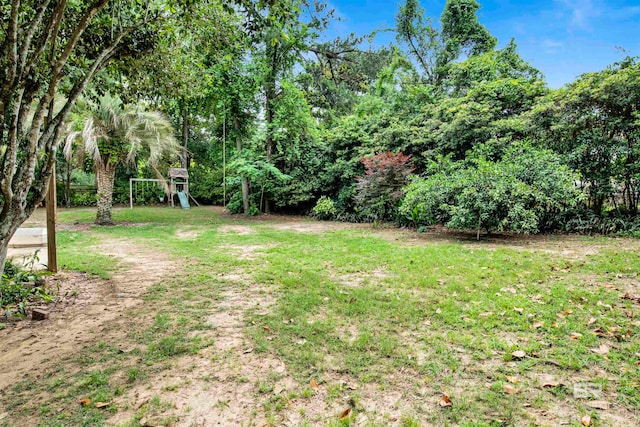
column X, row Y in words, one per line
column 113, row 133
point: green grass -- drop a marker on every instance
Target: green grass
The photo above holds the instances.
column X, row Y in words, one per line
column 355, row 307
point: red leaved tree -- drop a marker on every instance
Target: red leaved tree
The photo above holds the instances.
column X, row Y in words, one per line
column 380, row 190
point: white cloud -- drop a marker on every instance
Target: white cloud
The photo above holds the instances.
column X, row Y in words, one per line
column 581, row 13
column 552, row 46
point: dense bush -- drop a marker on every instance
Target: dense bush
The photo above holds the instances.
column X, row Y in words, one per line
column 511, row 194
column 324, row 209
column 205, row 184
column 380, row 189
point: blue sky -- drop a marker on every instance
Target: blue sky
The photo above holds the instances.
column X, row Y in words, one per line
column 562, row 38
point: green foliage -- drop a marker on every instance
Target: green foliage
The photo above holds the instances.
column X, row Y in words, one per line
column 205, row 184
column 594, row 122
column 324, row 208
column 511, row 194
column 83, row 198
column 435, row 48
column 586, row 221
column 19, row 286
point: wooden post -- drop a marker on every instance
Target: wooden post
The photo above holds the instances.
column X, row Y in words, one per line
column 131, row 193
column 52, row 254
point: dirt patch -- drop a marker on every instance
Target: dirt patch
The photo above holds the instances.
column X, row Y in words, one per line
column 88, row 307
column 361, row 279
column 221, row 384
column 314, row 227
column 247, row 252
column 241, row 230
column 188, row 234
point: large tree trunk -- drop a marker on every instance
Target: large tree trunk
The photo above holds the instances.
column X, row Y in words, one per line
column 105, row 175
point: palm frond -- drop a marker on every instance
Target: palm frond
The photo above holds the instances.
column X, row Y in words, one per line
column 111, row 122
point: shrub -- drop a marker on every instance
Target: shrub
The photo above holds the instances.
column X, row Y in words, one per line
column 380, row 190
column 511, row 194
column 324, row 209
column 19, row 286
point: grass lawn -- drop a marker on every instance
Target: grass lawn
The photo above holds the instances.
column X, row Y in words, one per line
column 286, row 321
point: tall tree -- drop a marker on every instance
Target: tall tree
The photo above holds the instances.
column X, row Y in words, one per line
column 594, row 122
column 283, row 32
column 435, row 47
column 46, row 47
column 112, row 134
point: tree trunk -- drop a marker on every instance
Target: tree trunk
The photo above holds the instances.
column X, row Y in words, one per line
column 8, row 229
column 67, row 185
column 244, row 180
column 4, row 245
column 105, row 175
column 185, row 157
column 270, row 96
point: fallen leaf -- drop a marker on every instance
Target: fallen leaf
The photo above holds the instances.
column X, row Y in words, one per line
column 345, row 414
column 509, row 389
column 438, row 311
column 599, row 404
column 600, row 332
column 575, row 335
column 352, row 300
column 445, row 401
column 85, row 401
column 592, row 321
column 537, row 325
column 247, row 351
column 513, row 380
column 565, row 312
column 314, row 385
column 518, row 310
column 488, row 314
column 551, row 384
column 586, row 420
column 352, row 387
column 519, row 354
column 603, row 349
column 266, row 328
column 102, row 404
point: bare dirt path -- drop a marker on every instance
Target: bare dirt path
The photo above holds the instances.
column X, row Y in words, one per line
column 86, row 313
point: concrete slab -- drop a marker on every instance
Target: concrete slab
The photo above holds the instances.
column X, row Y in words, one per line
column 27, row 243
column 29, row 237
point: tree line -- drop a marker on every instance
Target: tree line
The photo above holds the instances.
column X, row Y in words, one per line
column 440, row 127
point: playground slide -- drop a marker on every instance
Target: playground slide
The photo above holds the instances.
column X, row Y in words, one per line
column 184, row 202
